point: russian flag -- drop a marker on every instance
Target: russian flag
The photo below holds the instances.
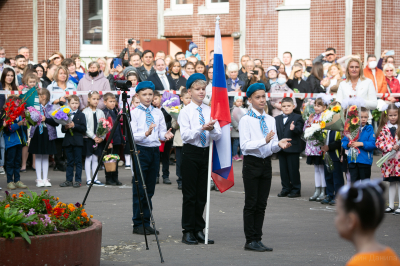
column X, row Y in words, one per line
column 222, row 170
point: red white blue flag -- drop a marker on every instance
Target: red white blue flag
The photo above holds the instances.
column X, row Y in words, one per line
column 222, row 170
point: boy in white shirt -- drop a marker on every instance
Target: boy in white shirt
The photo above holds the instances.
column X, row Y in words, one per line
column 148, row 127
column 196, row 127
column 258, row 142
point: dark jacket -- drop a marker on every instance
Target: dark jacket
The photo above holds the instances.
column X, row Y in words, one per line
column 241, row 72
column 111, row 80
column 13, row 134
column 117, row 138
column 2, row 98
column 179, row 82
column 243, row 76
column 46, row 82
column 142, row 72
column 283, row 131
column 247, row 85
column 229, row 87
column 126, row 50
column 79, row 131
column 302, row 87
column 335, row 146
column 158, row 84
column 315, row 84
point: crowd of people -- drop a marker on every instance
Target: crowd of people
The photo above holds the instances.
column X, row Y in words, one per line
column 262, row 129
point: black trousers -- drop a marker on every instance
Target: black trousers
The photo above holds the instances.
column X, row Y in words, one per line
column 60, row 156
column 194, row 187
column 164, row 158
column 257, row 176
column 359, row 171
column 289, row 166
column 178, row 156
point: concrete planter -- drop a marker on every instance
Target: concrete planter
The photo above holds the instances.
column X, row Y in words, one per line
column 72, row 248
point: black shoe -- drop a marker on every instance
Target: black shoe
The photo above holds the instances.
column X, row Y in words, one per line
column 139, row 230
column 294, row 195
column 110, row 181
column 167, row 181
column 180, row 186
column 151, row 230
column 66, row 184
column 189, row 239
column 202, row 238
column 116, row 181
column 253, row 246
column 283, row 194
column 77, row 184
column 171, row 163
column 264, row 247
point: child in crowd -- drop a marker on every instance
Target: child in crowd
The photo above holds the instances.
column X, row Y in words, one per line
column 178, row 144
column 93, row 116
column 388, row 138
column 314, row 153
column 361, row 168
column 128, row 161
column 42, row 142
column 132, row 76
column 197, row 130
column 117, row 140
column 236, row 114
column 73, row 144
column 148, row 126
column 193, row 51
column 164, row 156
column 290, row 125
column 15, row 139
column 359, row 211
column 32, row 81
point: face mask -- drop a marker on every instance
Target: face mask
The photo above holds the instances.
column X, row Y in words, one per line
column 309, row 68
column 281, row 81
column 2, row 59
column 277, row 67
column 160, row 72
column 372, row 64
column 182, row 62
column 93, row 74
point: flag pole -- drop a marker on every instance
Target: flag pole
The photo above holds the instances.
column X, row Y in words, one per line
column 208, row 189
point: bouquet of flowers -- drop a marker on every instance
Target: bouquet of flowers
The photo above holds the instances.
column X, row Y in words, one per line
column 110, row 162
column 103, row 127
column 315, row 132
column 390, row 155
column 62, row 115
column 307, row 108
column 171, row 104
column 32, row 116
column 334, row 118
column 14, row 108
column 353, row 123
column 376, row 114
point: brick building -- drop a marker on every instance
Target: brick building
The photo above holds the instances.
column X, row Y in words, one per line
column 263, row 28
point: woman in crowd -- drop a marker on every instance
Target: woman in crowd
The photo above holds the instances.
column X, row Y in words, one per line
column 56, row 58
column 40, row 72
column 258, row 77
column 280, row 87
column 48, row 78
column 393, row 83
column 315, row 78
column 276, row 62
column 334, row 77
column 233, row 83
column 175, row 70
column 200, row 67
column 282, row 68
column 298, row 84
column 106, row 71
column 74, row 76
column 209, row 77
column 272, row 75
column 94, row 80
column 44, row 65
column 76, row 58
column 168, row 59
column 8, row 80
column 189, row 69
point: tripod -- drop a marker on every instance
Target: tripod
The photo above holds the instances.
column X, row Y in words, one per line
column 127, row 131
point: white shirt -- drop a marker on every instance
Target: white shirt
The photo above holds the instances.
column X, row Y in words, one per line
column 365, row 89
column 252, row 140
column 139, row 127
column 390, row 125
column 288, row 70
column 164, row 81
column 191, row 128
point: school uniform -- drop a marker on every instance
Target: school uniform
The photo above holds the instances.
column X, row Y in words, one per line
column 361, row 167
column 257, row 169
column 194, row 168
column 73, row 145
column 289, row 163
column 149, row 156
column 334, row 180
column 92, row 119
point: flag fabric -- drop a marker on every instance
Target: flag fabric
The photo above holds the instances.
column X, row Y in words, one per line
column 222, row 170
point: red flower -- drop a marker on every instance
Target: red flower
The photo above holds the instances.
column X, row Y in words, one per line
column 66, row 215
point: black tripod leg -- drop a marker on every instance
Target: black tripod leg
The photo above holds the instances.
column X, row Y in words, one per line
column 134, row 152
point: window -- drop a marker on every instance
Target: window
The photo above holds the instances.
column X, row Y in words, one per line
column 183, row 2
column 219, row 1
column 179, row 8
column 214, row 7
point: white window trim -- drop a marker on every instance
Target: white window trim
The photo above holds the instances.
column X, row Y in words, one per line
column 178, row 9
column 214, row 8
column 89, row 50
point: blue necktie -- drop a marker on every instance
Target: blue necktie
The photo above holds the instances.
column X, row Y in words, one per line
column 149, row 117
column 202, row 122
column 41, row 124
column 263, row 125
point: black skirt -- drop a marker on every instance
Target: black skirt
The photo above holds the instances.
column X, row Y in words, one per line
column 392, row 179
column 40, row 143
column 88, row 149
column 315, row 160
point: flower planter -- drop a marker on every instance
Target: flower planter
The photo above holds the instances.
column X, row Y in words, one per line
column 110, row 166
column 81, row 247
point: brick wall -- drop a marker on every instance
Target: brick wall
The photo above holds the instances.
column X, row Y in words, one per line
column 390, row 28
column 16, row 29
column 48, row 33
column 73, row 26
column 359, row 26
column 327, row 27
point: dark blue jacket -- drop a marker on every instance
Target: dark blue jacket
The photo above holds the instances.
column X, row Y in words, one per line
column 79, row 131
column 14, row 134
column 117, row 138
column 367, row 137
column 334, row 145
column 77, row 79
column 283, row 131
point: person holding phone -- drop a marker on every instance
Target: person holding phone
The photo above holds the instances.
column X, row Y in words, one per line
column 387, row 57
column 258, row 76
column 134, row 44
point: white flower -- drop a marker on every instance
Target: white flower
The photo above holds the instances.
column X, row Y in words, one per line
column 309, row 132
column 328, row 115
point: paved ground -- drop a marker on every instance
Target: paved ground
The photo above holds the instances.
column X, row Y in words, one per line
column 301, row 232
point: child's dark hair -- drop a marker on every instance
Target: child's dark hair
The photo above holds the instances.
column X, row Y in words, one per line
column 44, row 91
column 10, row 98
column 320, row 102
column 287, row 100
column 366, row 200
column 183, row 92
column 73, row 97
column 363, row 109
column 156, row 93
column 385, row 119
column 108, row 95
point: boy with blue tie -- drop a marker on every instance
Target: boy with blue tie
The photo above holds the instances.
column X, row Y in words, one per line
column 258, row 142
column 148, row 128
column 196, row 127
column 73, row 143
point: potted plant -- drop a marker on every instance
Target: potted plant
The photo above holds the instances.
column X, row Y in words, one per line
column 110, row 162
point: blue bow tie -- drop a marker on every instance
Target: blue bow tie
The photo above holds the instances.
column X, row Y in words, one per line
column 284, row 116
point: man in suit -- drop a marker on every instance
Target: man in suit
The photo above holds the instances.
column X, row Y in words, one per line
column 146, row 69
column 290, row 125
column 160, row 80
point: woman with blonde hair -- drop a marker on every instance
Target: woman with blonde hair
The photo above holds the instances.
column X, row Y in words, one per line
column 56, row 58
column 106, row 71
column 333, row 78
column 392, row 82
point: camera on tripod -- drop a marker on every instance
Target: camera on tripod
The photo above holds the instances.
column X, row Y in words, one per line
column 123, row 85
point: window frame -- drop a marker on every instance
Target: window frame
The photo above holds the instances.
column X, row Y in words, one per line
column 178, row 9
column 214, row 8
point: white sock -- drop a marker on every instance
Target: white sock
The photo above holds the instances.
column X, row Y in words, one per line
column 127, row 159
column 95, row 160
column 45, row 165
column 88, row 162
column 322, row 175
column 392, row 194
column 316, row 176
column 38, row 164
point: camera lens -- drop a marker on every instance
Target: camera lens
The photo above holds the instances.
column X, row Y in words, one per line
column 123, row 85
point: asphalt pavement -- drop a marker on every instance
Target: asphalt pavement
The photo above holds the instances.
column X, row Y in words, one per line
column 300, row 232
